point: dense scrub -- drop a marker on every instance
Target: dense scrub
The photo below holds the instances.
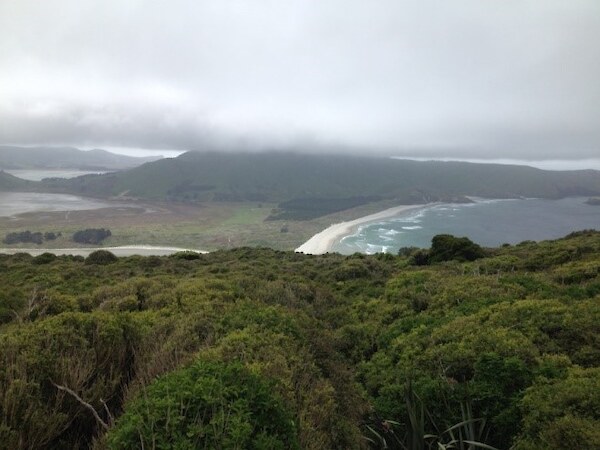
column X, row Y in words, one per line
column 255, row 348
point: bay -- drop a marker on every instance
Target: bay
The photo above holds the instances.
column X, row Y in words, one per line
column 486, row 222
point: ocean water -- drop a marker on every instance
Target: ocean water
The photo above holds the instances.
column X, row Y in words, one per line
column 486, row 222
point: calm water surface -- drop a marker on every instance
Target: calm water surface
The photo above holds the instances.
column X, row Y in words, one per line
column 487, row 222
column 38, row 175
column 13, row 203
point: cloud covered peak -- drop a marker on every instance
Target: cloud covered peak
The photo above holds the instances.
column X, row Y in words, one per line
column 464, row 78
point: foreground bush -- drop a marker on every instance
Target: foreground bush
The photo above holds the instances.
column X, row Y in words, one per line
column 101, row 257
column 206, row 405
column 563, row 413
column 514, row 335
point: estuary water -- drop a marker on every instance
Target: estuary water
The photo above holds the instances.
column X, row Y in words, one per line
column 38, row 175
column 14, row 203
column 486, row 222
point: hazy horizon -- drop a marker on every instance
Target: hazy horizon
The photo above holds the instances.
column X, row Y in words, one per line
column 544, row 164
column 467, row 79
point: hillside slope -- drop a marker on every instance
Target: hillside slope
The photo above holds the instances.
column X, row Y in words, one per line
column 9, row 182
column 281, row 177
column 309, row 186
column 255, row 348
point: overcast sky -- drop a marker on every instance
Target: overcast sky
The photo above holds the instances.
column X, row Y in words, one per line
column 479, row 78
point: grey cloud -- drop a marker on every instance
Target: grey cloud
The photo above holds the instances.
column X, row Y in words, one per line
column 501, row 78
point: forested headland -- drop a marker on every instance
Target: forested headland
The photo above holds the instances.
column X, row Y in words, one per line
column 257, row 348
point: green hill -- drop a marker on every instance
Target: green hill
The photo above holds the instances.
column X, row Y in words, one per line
column 9, row 182
column 284, row 176
column 255, row 348
column 312, row 185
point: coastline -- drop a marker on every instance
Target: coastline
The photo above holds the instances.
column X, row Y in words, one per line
column 324, row 241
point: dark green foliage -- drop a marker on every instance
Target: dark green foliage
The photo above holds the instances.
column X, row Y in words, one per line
column 12, row 300
column 187, row 255
column 420, row 257
column 91, row 236
column 30, row 237
column 407, row 251
column 309, row 208
column 90, row 353
column 513, row 338
column 101, row 257
column 499, row 383
column 468, row 434
column 445, row 247
column 206, row 405
column 24, row 237
column 563, row 412
column 44, row 258
column 188, row 190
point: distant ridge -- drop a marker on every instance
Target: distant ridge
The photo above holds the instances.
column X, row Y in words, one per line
column 9, row 182
column 307, row 186
column 17, row 158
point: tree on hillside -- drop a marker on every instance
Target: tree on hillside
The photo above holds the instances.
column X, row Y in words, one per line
column 91, row 235
column 445, row 247
column 24, row 236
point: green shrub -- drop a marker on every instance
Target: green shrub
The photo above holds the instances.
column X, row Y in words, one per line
column 420, row 258
column 187, row 255
column 562, row 413
column 445, row 247
column 206, row 405
column 101, row 257
column 44, row 258
column 11, row 302
column 91, row 235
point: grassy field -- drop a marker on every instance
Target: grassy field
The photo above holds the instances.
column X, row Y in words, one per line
column 208, row 226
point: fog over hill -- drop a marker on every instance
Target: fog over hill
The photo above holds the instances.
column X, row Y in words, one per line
column 17, row 158
column 463, row 79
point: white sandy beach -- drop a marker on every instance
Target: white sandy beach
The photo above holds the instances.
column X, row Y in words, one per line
column 323, row 242
column 126, row 250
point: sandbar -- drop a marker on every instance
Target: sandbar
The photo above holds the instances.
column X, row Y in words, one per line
column 324, row 241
